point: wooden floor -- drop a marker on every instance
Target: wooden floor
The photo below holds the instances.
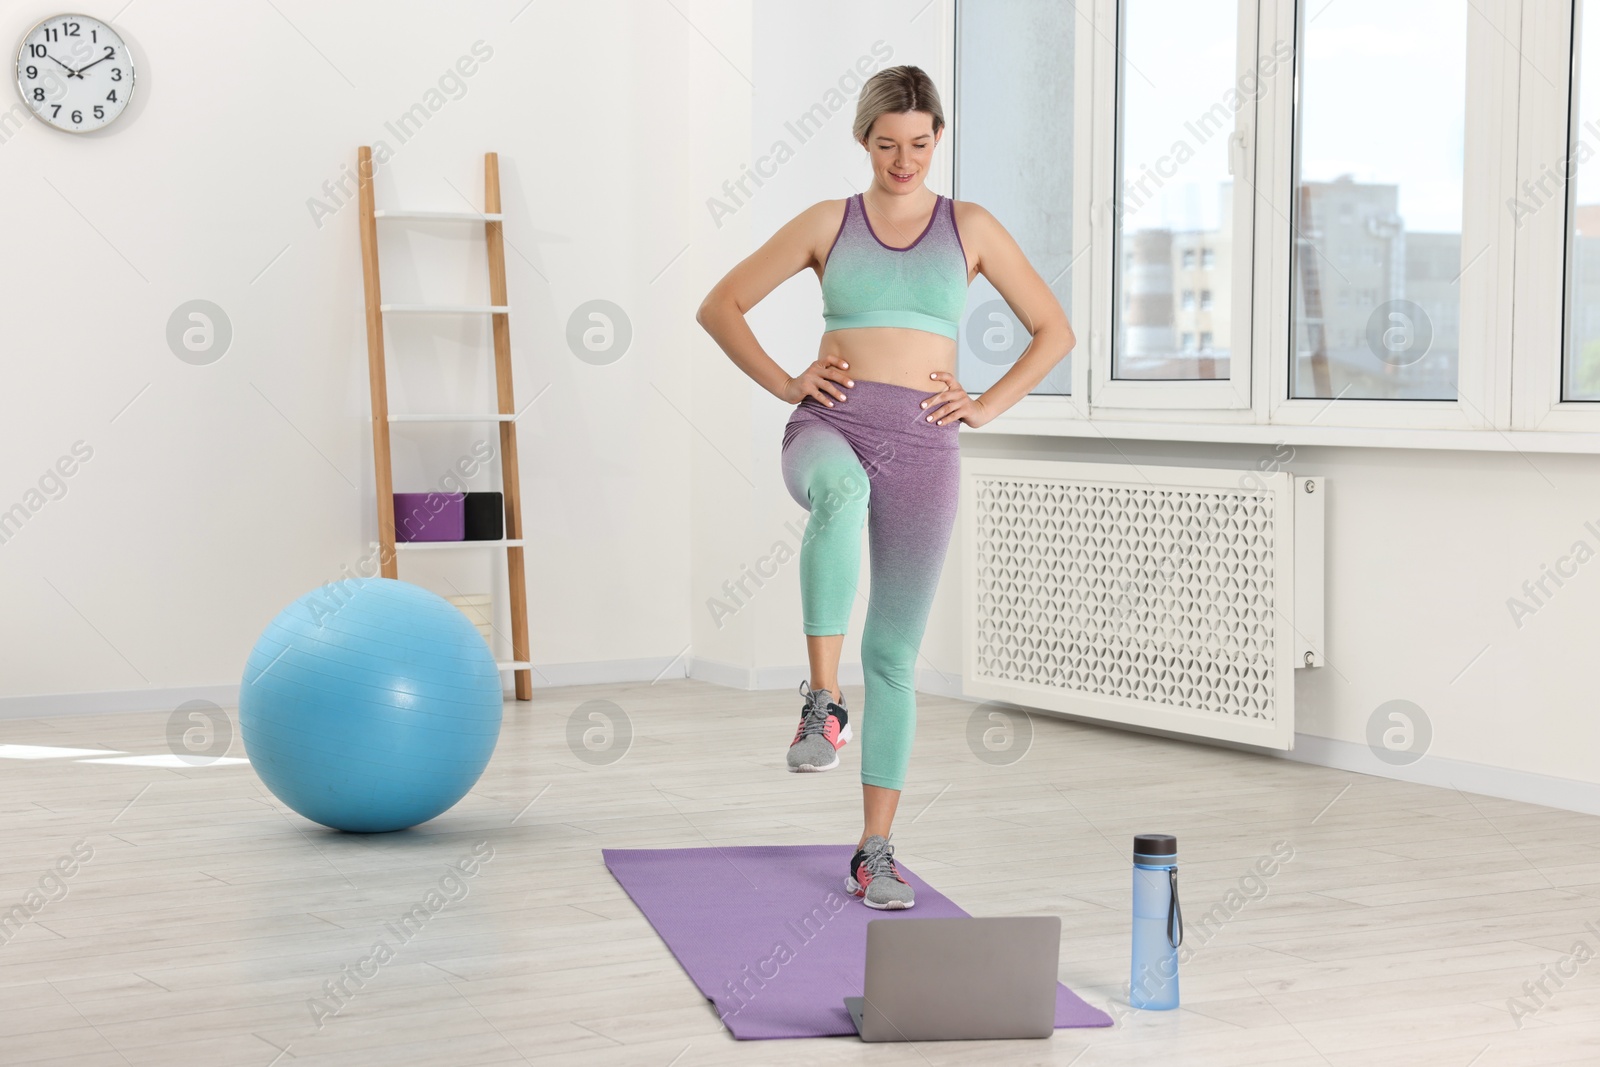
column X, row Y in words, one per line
column 206, row 918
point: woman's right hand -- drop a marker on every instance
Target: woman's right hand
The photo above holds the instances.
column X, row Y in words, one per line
column 822, row 380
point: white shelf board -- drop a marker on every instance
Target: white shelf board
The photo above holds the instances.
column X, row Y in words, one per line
column 514, row 665
column 515, row 543
column 453, row 418
column 444, row 309
column 461, row 216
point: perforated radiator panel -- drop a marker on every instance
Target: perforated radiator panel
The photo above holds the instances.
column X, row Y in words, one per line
column 1144, row 595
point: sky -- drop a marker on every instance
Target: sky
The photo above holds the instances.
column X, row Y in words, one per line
column 1383, row 86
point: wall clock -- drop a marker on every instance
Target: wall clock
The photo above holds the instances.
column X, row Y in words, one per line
column 74, row 72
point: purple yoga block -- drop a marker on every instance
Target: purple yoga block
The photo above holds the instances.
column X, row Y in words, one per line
column 430, row 516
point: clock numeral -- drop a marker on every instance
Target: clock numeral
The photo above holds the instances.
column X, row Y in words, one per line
column 94, row 36
column 112, row 96
column 69, row 29
column 77, row 116
column 36, row 51
column 111, row 53
column 51, row 35
column 99, row 112
column 55, row 111
column 116, row 74
column 33, row 72
column 38, row 94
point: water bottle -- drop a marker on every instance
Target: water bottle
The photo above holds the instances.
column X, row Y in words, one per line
column 1157, row 922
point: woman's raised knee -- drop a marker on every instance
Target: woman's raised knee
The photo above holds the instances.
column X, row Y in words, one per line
column 839, row 488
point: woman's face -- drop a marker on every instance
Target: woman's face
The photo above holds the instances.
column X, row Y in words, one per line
column 900, row 147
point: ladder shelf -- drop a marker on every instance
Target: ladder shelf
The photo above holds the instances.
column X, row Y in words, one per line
column 492, row 219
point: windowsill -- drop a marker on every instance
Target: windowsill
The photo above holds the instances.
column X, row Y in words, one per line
column 1043, row 423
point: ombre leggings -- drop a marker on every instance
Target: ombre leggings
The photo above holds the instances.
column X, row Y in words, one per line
column 874, row 460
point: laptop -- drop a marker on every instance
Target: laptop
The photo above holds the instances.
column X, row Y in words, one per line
column 962, row 979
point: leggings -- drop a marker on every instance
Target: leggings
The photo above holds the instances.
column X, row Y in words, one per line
column 874, row 460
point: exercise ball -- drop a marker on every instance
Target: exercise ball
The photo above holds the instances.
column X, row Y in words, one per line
column 369, row 705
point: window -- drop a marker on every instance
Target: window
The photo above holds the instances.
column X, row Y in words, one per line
column 1014, row 79
column 1375, row 300
column 1176, row 91
column 1581, row 355
column 1280, row 204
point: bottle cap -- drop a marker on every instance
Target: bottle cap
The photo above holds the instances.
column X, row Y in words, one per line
column 1155, row 849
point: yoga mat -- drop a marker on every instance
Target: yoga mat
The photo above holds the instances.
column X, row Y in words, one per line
column 770, row 936
column 429, row 516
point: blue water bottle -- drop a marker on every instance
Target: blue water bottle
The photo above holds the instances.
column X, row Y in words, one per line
column 1157, row 922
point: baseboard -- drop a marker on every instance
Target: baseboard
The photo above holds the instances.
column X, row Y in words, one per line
column 607, row 672
column 1508, row 783
column 765, row 679
column 49, row 705
column 545, row 676
column 1481, row 778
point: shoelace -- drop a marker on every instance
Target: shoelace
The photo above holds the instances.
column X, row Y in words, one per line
column 814, row 719
column 879, row 862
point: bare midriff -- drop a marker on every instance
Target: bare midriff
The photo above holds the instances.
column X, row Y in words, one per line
column 891, row 354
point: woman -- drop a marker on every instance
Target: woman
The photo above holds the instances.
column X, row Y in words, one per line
column 872, row 439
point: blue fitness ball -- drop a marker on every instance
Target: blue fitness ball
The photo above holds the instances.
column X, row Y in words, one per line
column 370, row 704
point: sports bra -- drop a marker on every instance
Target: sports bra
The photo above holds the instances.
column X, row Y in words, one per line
column 922, row 286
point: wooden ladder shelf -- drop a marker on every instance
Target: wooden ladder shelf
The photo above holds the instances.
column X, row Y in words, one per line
column 505, row 416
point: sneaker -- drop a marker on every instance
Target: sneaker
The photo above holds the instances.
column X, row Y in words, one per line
column 875, row 880
column 824, row 730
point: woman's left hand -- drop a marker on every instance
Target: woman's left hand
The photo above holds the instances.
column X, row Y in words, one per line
column 953, row 403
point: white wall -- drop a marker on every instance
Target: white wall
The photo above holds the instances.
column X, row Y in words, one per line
column 224, row 491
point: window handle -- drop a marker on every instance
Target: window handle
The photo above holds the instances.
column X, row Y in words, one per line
column 1236, row 151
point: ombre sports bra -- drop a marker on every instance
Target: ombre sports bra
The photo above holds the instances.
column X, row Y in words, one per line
column 922, row 286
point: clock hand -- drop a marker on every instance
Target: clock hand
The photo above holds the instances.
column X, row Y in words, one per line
column 80, row 70
column 70, row 72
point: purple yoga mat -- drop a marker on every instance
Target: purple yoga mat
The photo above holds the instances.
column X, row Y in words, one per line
column 430, row 516
column 769, row 935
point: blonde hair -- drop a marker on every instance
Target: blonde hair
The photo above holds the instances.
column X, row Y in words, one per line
column 895, row 90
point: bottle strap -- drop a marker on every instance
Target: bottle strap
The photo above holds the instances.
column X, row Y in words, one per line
column 1174, row 912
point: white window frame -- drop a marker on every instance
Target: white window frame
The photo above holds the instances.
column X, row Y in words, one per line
column 1042, row 410
column 1222, row 399
column 1084, row 240
column 1517, row 124
column 1482, row 374
column 1548, row 124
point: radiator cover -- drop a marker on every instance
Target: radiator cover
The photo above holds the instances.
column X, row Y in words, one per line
column 1154, row 596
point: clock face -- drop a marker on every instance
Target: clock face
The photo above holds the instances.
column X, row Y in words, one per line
column 74, row 72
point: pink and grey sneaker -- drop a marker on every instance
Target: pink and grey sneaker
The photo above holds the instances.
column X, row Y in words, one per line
column 824, row 730
column 874, row 878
